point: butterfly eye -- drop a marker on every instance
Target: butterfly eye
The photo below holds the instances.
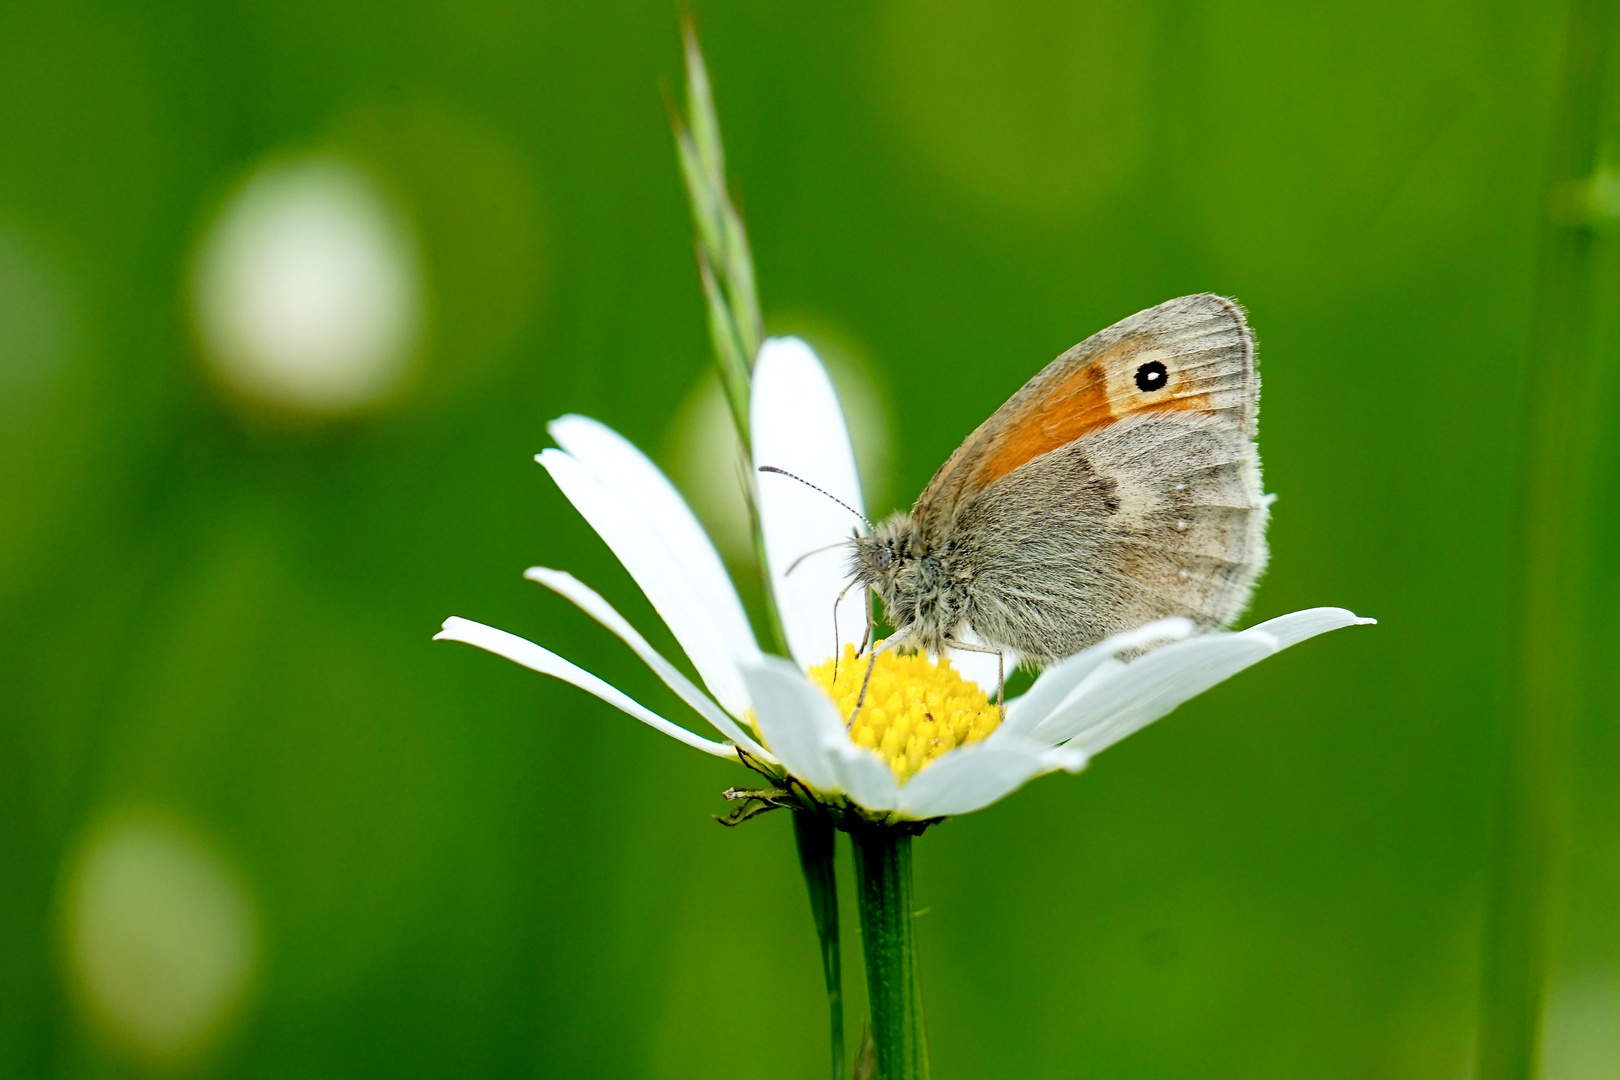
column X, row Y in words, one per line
column 1151, row 376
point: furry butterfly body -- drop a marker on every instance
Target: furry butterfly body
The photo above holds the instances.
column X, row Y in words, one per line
column 1119, row 486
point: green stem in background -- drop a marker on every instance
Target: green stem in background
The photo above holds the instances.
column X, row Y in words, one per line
column 1559, row 461
column 815, row 836
column 726, row 267
column 725, row 262
column 889, row 937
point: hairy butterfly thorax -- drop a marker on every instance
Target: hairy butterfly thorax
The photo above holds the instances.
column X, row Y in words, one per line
column 924, row 589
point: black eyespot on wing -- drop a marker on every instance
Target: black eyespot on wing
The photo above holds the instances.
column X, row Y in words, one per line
column 1152, row 376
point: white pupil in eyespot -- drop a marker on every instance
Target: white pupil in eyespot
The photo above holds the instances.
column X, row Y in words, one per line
column 1151, row 376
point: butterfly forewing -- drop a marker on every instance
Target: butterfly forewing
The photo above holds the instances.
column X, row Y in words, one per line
column 1120, row 485
column 1203, row 346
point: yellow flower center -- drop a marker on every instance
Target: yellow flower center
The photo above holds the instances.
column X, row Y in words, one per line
column 915, row 709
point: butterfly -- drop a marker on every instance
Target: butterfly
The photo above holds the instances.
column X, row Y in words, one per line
column 1121, row 485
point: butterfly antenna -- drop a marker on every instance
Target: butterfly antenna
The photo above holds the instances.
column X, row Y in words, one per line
column 824, row 491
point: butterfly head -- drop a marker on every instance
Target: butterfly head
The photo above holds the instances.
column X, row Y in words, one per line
column 882, row 557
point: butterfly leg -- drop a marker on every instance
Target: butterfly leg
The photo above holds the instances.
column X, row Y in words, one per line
column 871, row 625
column 838, row 654
column 860, row 699
column 1001, row 687
column 1001, row 670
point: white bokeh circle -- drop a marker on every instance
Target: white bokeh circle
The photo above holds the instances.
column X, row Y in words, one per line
column 308, row 292
column 159, row 936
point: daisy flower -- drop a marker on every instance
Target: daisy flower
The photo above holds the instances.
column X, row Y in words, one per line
column 929, row 740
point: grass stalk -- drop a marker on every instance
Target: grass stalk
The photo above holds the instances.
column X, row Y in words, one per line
column 736, row 327
column 1560, row 456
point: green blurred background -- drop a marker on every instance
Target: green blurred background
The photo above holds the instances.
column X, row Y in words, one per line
column 253, row 824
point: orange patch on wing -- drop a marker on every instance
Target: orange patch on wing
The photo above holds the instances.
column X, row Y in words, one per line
column 1077, row 406
column 1073, row 407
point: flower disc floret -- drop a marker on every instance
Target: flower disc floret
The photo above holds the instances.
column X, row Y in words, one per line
column 916, row 709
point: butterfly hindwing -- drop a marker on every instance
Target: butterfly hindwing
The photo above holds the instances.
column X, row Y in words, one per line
column 1151, row 517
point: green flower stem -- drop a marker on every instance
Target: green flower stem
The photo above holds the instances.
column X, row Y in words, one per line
column 815, row 836
column 1559, row 461
column 889, row 936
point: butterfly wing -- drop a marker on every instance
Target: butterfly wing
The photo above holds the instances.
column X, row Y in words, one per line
column 1120, row 485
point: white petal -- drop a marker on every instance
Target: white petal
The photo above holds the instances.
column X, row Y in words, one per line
column 798, row 426
column 599, row 609
column 1133, row 695
column 1108, row 709
column 803, row 729
column 616, row 462
column 863, row 775
column 976, row 775
column 798, row 722
column 1296, row 626
column 634, row 538
column 547, row 662
column 1057, row 681
column 1151, row 687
